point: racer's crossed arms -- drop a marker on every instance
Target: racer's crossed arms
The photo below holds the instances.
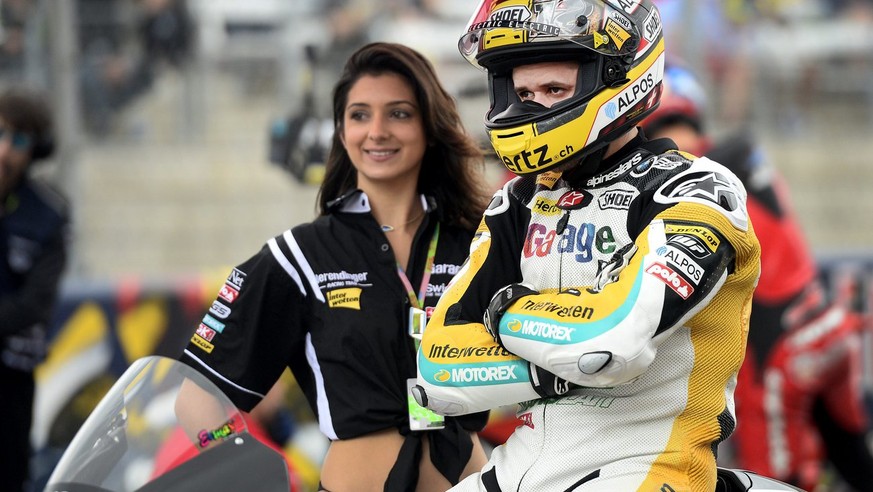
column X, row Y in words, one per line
column 595, row 325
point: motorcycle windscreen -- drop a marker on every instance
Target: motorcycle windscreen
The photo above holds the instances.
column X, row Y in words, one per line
column 163, row 423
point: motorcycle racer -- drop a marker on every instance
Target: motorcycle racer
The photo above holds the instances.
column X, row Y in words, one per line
column 608, row 286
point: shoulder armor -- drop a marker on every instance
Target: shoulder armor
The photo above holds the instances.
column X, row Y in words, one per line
column 708, row 183
column 522, row 188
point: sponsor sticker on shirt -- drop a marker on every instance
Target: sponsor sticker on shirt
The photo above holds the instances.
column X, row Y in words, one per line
column 574, row 200
column 349, row 298
column 498, row 373
column 236, row 278
column 205, row 332
column 332, row 280
column 545, row 206
column 548, row 179
column 681, row 261
column 540, row 330
column 228, row 293
column 446, row 268
column 526, row 419
column 616, row 200
column 672, row 278
column 219, row 310
column 709, row 238
column 625, row 166
column 213, row 323
column 202, row 344
column 692, row 244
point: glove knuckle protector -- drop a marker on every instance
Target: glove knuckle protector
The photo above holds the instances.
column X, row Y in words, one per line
column 500, row 302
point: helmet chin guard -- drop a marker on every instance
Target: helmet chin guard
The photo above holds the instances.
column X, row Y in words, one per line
column 618, row 47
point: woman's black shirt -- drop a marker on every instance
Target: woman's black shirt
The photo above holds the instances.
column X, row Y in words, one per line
column 325, row 300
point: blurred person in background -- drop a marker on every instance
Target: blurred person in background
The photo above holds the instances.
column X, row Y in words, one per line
column 120, row 62
column 348, row 24
column 799, row 398
column 852, row 9
column 166, row 31
column 34, row 221
column 718, row 33
column 14, row 15
column 342, row 300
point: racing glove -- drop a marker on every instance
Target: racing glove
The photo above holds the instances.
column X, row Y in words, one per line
column 500, row 303
column 546, row 384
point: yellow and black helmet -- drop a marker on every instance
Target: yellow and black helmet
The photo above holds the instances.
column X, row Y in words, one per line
column 620, row 48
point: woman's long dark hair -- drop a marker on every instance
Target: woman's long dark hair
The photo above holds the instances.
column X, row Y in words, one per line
column 452, row 165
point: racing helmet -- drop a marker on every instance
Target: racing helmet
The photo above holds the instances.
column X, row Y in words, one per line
column 683, row 100
column 620, row 49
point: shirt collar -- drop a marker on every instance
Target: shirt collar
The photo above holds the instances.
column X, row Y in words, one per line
column 357, row 202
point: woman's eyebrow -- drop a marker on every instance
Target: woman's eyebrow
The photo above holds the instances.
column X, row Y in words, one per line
column 389, row 103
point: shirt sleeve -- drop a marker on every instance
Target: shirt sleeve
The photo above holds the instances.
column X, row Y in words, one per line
column 252, row 328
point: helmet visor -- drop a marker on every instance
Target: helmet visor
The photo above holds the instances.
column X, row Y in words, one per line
column 592, row 24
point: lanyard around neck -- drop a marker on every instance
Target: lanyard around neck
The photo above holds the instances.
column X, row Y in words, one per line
column 425, row 279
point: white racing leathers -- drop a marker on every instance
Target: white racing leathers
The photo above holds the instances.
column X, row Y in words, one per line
column 643, row 278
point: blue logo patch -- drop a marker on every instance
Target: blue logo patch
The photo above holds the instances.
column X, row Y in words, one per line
column 213, row 323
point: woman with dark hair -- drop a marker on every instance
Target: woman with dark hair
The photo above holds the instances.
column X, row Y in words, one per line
column 445, row 171
column 342, row 300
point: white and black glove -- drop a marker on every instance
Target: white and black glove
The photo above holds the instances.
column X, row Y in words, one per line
column 500, row 303
column 546, row 384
